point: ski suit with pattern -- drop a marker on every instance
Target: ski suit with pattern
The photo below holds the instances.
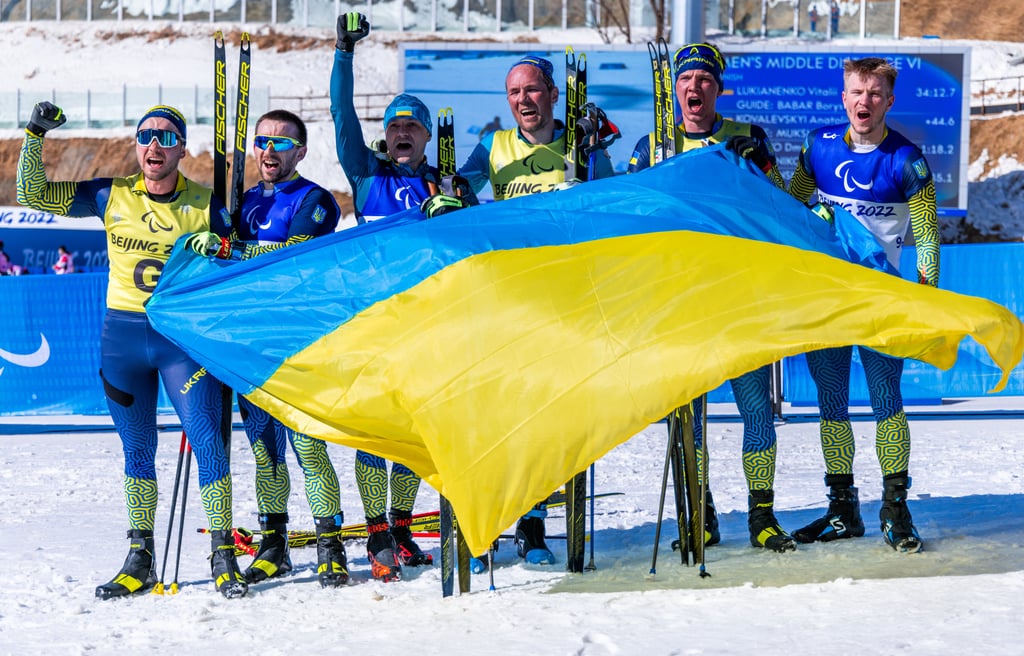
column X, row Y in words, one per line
column 888, row 188
column 751, row 390
column 141, row 232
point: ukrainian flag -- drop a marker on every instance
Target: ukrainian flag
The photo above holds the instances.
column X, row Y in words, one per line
column 500, row 349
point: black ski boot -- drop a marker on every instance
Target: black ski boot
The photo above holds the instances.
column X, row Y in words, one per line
column 224, row 566
column 842, row 520
column 273, row 558
column 382, row 551
column 897, row 525
column 138, row 574
column 530, row 535
column 712, row 535
column 331, row 561
column 408, row 551
column 765, row 531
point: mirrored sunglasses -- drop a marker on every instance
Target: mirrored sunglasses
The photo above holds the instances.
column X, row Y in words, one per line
column 263, row 141
column 166, row 138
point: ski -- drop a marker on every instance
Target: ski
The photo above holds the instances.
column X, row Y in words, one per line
column 668, row 99
column 664, row 100
column 575, row 100
column 659, row 118
column 447, row 526
column 575, row 521
column 686, row 483
column 462, row 557
column 241, row 125
column 454, row 550
column 424, row 525
column 220, row 120
column 220, row 177
column 446, row 142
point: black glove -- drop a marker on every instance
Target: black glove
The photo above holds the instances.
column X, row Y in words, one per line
column 439, row 204
column 351, row 27
column 45, row 116
column 750, row 148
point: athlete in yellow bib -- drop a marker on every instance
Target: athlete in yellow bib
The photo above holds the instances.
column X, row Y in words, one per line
column 527, row 159
column 144, row 214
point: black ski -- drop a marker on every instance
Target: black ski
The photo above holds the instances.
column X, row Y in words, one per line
column 575, row 521
column 447, row 549
column 664, row 101
column 687, row 482
column 241, row 125
column 220, row 119
column 446, row 142
column 575, row 100
column 220, row 177
column 462, row 557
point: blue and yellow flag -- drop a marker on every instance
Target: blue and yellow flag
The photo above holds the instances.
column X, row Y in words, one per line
column 500, row 349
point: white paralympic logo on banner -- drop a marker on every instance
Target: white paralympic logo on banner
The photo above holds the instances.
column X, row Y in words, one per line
column 36, row 359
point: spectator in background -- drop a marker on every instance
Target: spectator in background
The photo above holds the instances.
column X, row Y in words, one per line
column 6, row 267
column 65, row 262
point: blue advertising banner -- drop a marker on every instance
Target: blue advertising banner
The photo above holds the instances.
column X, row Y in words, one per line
column 788, row 92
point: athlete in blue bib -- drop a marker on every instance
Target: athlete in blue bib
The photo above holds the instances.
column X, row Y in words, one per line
column 884, row 181
column 284, row 209
column 385, row 182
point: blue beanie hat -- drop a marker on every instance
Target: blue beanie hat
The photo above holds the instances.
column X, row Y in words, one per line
column 167, row 112
column 408, row 106
column 700, row 56
column 545, row 66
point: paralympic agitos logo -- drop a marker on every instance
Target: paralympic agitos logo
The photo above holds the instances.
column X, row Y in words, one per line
column 35, row 359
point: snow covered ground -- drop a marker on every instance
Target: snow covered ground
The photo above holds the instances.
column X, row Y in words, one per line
column 64, row 534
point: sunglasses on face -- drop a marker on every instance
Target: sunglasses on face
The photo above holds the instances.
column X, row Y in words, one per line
column 263, row 141
column 166, row 138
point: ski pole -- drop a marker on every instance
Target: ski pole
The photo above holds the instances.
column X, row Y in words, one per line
column 181, row 522
column 661, row 503
column 159, row 587
column 703, row 485
column 490, row 565
column 591, row 566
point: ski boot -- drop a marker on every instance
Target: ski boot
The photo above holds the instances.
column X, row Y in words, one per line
column 712, row 535
column 224, row 566
column 842, row 520
column 272, row 559
column 765, row 531
column 897, row 525
column 138, row 574
column 408, row 551
column 382, row 551
column 331, row 561
column 530, row 538
column 480, row 564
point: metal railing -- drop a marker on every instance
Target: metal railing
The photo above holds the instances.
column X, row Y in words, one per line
column 997, row 94
column 107, row 109
column 814, row 19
